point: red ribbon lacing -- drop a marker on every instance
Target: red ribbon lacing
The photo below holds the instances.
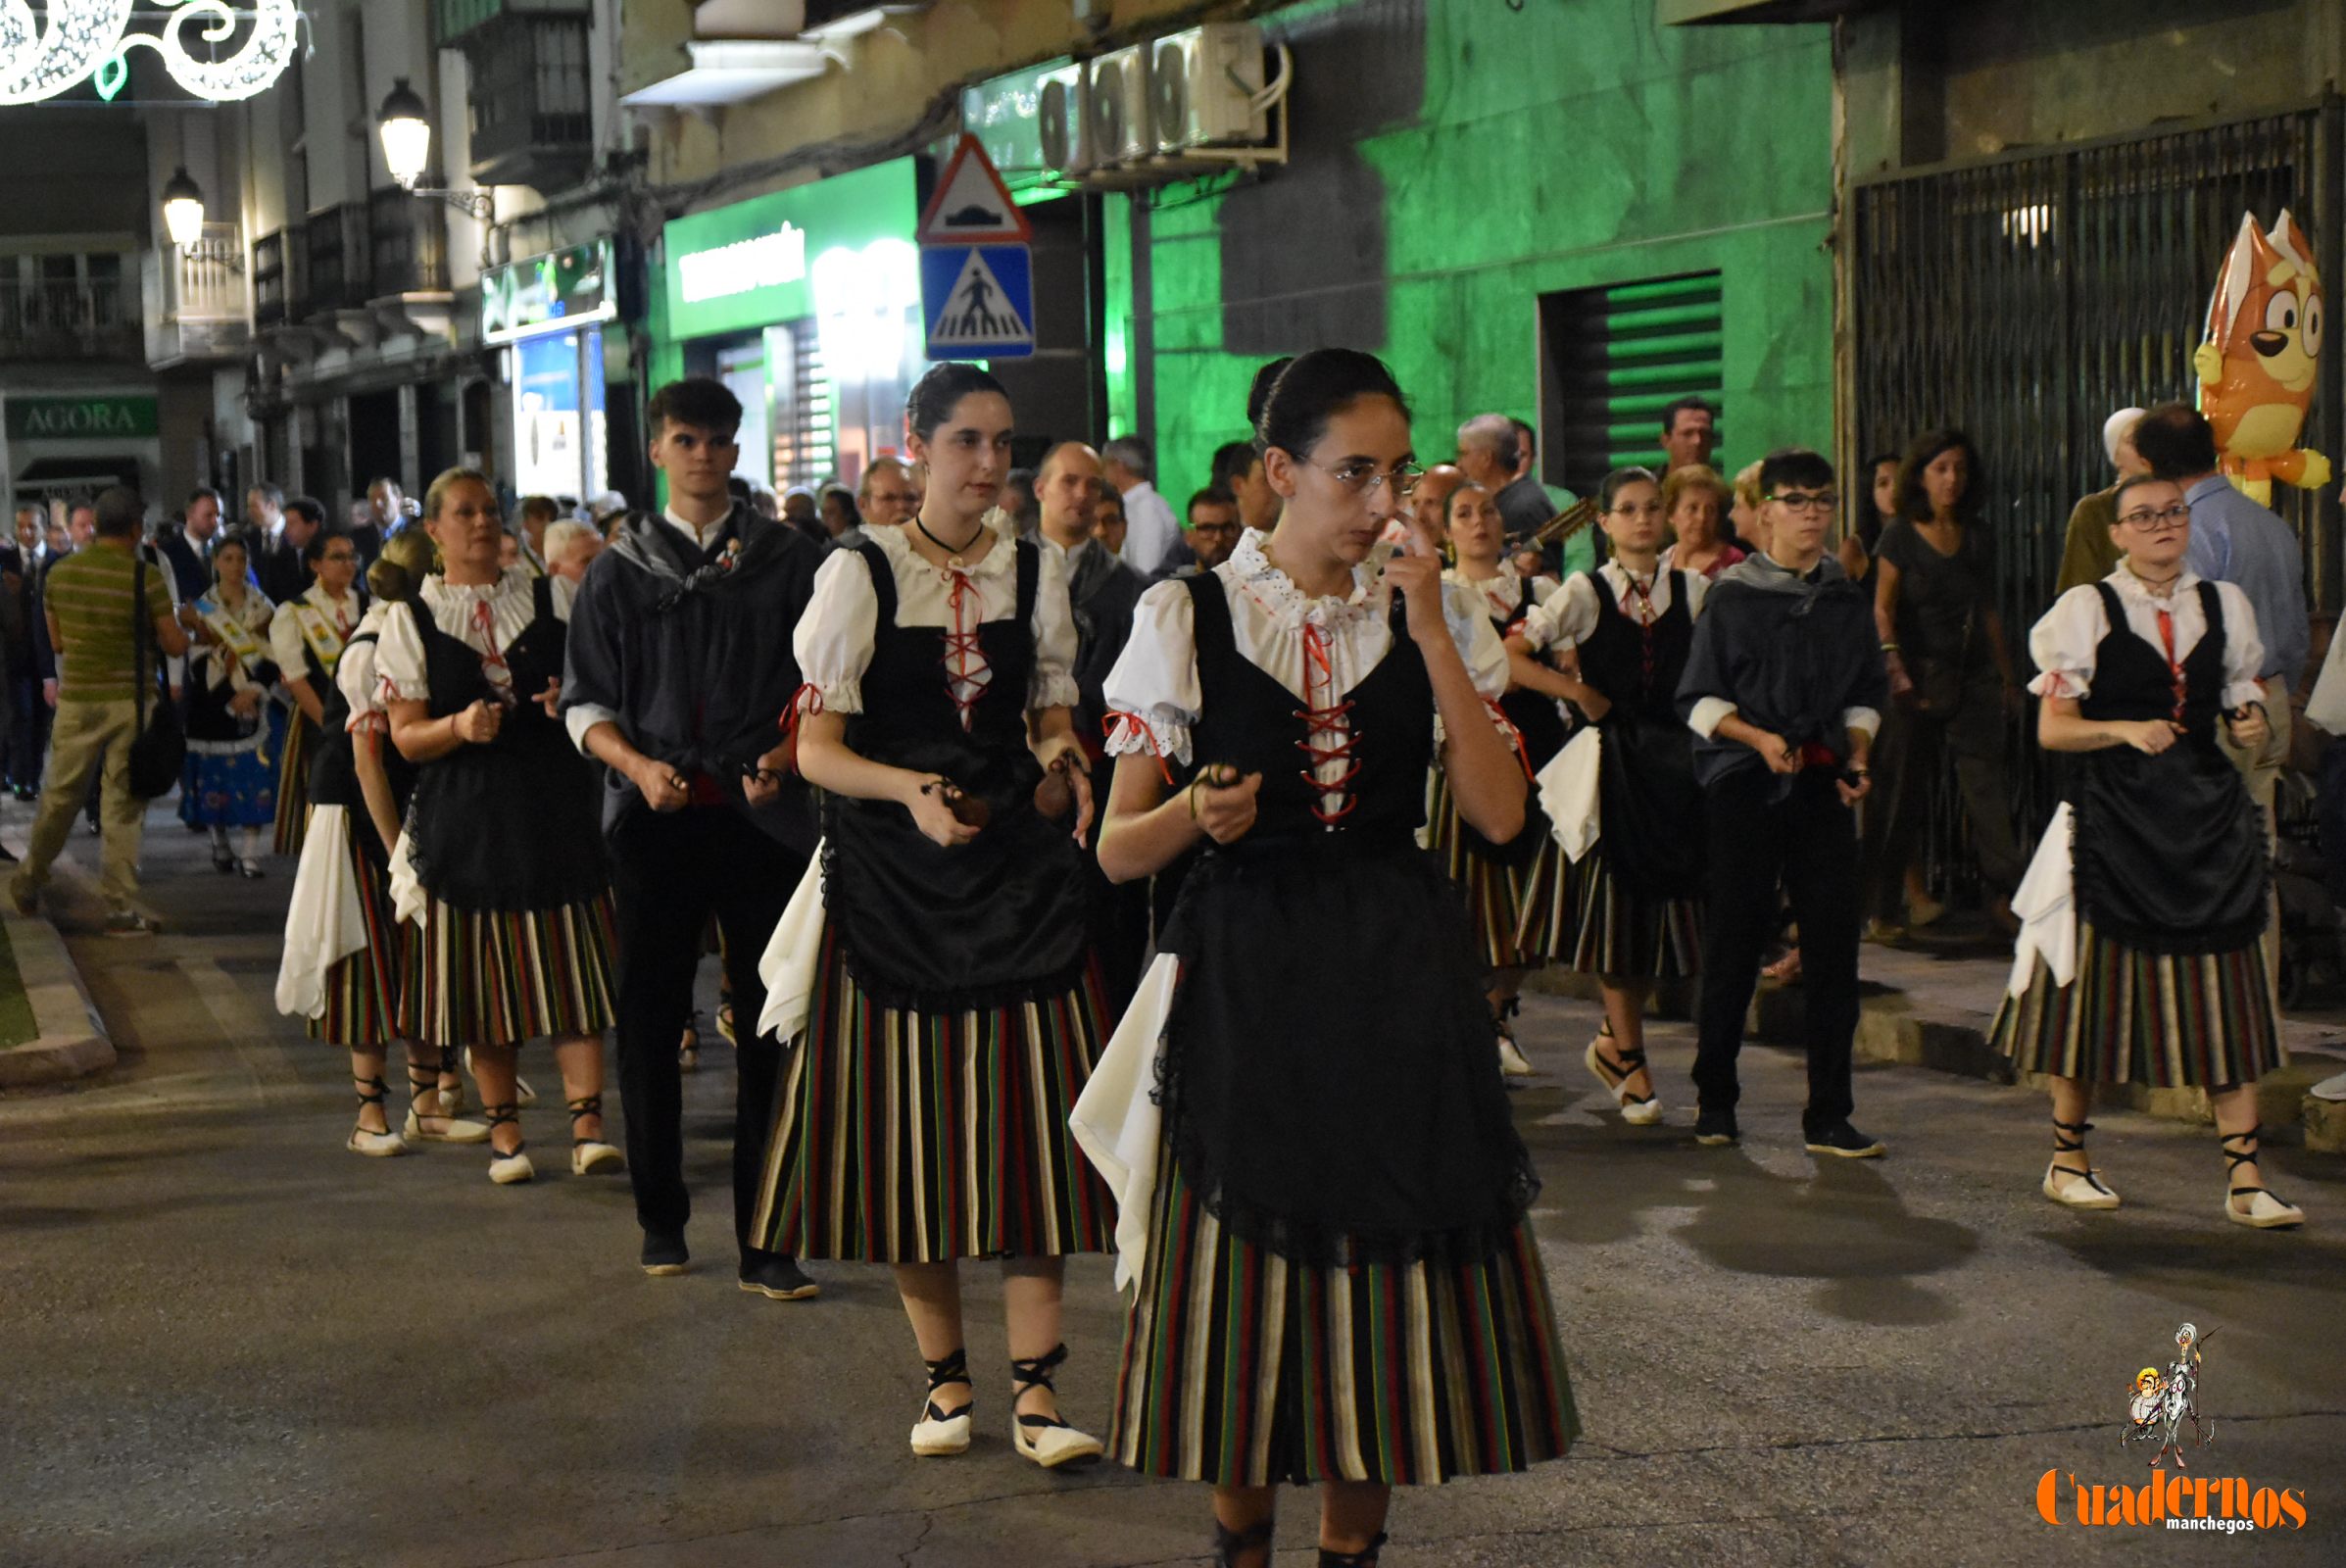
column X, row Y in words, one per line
column 965, row 659
column 1325, row 718
column 804, row 702
column 1135, row 724
column 1514, row 738
column 1642, row 592
column 2174, row 667
column 492, row 659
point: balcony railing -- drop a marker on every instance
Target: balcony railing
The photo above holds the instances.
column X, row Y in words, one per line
column 408, row 238
column 90, row 318
column 454, row 21
column 197, row 304
column 334, row 240
column 272, row 300
column 530, row 100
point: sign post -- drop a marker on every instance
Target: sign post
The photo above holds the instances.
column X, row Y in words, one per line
column 977, row 287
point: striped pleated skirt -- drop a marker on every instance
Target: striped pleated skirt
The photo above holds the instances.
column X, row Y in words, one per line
column 1493, row 892
column 1578, row 913
column 293, row 785
column 370, row 995
column 1243, row 1368
column 2165, row 1022
column 496, row 977
column 910, row 1136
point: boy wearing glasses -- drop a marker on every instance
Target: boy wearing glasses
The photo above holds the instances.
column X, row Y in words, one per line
column 1784, row 689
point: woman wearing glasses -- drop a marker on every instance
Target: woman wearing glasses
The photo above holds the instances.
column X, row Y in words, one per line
column 1338, row 1284
column 1492, row 875
column 1952, row 681
column 943, row 990
column 2142, row 959
column 1624, row 910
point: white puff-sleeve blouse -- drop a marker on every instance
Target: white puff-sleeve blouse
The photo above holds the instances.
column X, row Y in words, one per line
column 357, row 675
column 486, row 618
column 1567, row 619
column 1154, row 688
column 2066, row 642
column 837, row 634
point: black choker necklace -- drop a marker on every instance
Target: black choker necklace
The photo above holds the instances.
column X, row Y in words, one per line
column 951, row 550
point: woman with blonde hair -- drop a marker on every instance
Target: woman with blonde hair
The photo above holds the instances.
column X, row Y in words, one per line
column 502, row 831
column 1694, row 501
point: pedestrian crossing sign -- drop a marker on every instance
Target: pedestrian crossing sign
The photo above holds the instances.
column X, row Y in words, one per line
column 978, row 302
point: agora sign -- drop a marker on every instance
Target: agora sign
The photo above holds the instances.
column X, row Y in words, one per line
column 80, row 419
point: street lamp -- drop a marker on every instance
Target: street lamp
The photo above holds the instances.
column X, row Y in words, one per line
column 405, row 123
column 183, row 210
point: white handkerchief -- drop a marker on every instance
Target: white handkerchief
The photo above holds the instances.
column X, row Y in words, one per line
column 2046, row 905
column 791, row 955
column 1568, row 792
column 1115, row 1121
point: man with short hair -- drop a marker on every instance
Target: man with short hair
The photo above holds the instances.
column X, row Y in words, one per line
column 570, row 548
column 386, row 514
column 1238, row 474
column 887, row 498
column 2235, row 540
column 21, row 581
column 1103, row 592
column 189, row 550
column 281, row 563
column 1491, row 456
column 263, row 508
column 679, row 662
column 1784, row 687
column 1582, row 550
column 1213, row 529
column 1107, row 516
column 836, row 507
column 1690, row 434
column 98, row 601
column 2087, row 554
column 1149, row 528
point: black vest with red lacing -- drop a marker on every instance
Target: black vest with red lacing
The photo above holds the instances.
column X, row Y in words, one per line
column 1636, row 665
column 996, row 921
column 2168, row 851
column 1252, row 722
column 512, row 825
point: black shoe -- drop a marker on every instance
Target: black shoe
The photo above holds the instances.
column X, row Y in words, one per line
column 6, row 858
column 1845, row 1140
column 777, row 1276
column 27, row 792
column 1716, row 1129
column 664, row 1254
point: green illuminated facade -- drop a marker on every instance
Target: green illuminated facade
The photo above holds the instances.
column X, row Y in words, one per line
column 1454, row 162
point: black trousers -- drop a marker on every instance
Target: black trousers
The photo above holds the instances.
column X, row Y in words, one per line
column 1807, row 842
column 674, row 870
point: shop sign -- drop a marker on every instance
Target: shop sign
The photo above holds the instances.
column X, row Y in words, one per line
column 753, row 264
column 565, row 290
column 80, row 419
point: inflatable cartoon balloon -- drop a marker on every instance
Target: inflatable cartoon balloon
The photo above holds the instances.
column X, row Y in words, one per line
column 2262, row 356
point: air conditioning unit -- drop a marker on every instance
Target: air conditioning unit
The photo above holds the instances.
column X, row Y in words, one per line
column 1205, row 85
column 1059, row 126
column 1116, row 108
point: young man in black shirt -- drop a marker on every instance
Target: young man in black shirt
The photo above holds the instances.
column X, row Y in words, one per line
column 679, row 669
column 1784, row 688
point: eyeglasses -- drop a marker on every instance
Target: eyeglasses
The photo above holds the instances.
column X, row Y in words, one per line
column 1639, row 508
column 1213, row 527
column 2175, row 517
column 1803, row 500
column 1362, row 479
column 340, row 554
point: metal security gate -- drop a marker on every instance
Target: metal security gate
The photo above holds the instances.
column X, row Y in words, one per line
column 2025, row 299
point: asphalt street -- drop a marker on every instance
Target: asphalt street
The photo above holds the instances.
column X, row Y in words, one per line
column 224, row 1339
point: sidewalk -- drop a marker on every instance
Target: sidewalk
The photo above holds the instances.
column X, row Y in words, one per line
column 49, row 1032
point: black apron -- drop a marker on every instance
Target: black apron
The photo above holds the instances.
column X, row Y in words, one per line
column 1648, row 801
column 1330, row 1074
column 995, row 921
column 513, row 824
column 2169, row 851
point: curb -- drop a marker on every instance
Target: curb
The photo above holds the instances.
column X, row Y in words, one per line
column 72, row 1041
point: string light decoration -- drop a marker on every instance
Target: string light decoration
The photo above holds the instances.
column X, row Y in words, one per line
column 42, row 57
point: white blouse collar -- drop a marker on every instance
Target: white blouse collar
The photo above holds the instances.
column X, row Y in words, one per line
column 1251, row 570
column 896, row 545
column 512, row 580
column 2129, row 586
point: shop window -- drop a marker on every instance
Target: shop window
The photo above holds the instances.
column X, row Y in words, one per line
column 1611, row 359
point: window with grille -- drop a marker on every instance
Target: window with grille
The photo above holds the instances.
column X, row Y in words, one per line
column 1611, row 359
column 803, row 433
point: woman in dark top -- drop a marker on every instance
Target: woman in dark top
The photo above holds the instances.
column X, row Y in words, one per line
column 1340, row 1285
column 1951, row 681
column 230, row 779
column 950, row 1003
